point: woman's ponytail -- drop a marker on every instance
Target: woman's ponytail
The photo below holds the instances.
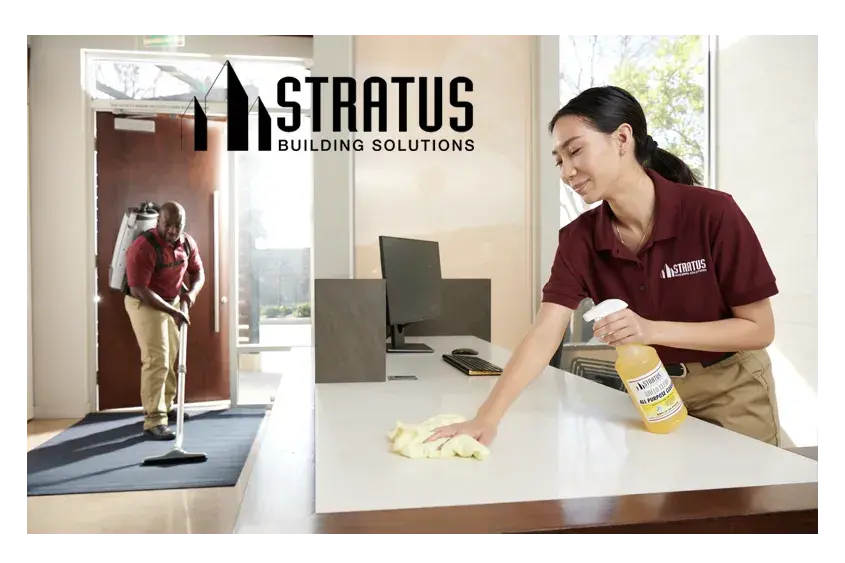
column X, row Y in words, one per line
column 666, row 164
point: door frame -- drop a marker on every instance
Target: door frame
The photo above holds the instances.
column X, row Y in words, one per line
column 30, row 382
column 218, row 109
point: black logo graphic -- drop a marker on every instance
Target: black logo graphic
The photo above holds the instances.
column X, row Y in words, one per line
column 344, row 93
column 237, row 117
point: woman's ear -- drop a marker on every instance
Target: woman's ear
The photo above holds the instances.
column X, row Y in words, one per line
column 624, row 138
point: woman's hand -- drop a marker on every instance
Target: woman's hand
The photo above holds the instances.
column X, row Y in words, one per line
column 624, row 327
column 481, row 429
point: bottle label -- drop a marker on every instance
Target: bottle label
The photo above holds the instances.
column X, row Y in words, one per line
column 655, row 393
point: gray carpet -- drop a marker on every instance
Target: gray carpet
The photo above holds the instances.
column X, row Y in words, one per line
column 103, row 453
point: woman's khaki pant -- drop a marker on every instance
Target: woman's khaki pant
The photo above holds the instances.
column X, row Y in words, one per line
column 737, row 393
column 158, row 339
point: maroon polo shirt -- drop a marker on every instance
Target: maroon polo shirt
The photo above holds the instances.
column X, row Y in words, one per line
column 165, row 281
column 702, row 259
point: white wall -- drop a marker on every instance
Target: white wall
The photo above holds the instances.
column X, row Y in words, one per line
column 546, row 175
column 62, row 215
column 332, row 255
column 766, row 115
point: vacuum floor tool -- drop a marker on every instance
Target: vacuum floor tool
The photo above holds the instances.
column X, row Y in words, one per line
column 177, row 455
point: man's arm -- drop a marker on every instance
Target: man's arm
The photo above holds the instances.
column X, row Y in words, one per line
column 151, row 298
column 196, row 273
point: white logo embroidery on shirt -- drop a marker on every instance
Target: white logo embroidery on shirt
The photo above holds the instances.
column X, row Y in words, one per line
column 684, row 269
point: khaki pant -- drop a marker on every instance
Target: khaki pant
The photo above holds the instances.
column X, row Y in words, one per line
column 158, row 339
column 737, row 393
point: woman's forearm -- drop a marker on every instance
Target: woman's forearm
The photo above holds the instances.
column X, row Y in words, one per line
column 728, row 335
column 528, row 360
column 525, row 365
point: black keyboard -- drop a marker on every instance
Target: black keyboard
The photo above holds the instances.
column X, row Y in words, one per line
column 472, row 365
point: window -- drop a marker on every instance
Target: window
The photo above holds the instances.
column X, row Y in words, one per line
column 180, row 80
column 274, row 191
column 669, row 76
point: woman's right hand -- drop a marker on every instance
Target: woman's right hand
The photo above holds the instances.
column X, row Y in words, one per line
column 483, row 430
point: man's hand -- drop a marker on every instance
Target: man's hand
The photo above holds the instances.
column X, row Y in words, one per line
column 179, row 317
column 188, row 297
column 624, row 327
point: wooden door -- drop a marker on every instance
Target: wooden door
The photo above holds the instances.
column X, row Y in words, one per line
column 136, row 166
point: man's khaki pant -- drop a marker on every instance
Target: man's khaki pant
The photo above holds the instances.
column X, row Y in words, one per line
column 737, row 393
column 158, row 339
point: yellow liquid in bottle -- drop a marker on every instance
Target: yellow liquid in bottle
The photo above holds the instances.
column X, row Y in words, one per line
column 650, row 388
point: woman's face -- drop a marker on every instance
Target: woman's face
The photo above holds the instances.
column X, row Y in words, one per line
column 589, row 160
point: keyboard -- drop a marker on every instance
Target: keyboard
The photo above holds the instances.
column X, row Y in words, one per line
column 472, row 365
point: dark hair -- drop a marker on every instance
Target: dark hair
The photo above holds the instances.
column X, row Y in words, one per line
column 605, row 108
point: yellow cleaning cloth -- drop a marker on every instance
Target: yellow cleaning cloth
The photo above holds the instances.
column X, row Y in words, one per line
column 408, row 440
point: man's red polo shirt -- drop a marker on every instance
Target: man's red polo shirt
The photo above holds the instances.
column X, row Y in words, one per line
column 702, row 259
column 166, row 280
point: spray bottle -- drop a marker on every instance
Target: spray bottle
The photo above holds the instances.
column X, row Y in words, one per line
column 649, row 385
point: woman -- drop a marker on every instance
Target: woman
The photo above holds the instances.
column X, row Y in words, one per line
column 684, row 258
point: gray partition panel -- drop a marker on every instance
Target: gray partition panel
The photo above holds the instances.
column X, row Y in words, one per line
column 465, row 310
column 349, row 320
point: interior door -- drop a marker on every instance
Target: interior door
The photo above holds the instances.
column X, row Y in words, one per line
column 134, row 166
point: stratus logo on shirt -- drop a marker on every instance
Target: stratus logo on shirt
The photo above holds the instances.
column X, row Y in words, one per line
column 684, row 269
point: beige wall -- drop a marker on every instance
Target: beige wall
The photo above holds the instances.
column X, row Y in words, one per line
column 477, row 204
column 767, row 158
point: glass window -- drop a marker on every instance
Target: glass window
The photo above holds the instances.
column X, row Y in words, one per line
column 183, row 79
column 274, row 236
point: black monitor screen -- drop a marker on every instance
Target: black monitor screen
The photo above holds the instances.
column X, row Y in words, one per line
column 411, row 269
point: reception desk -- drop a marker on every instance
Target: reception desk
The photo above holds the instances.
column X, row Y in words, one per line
column 571, row 455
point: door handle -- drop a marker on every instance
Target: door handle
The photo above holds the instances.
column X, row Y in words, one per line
column 216, row 243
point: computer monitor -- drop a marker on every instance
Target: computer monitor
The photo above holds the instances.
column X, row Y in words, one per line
column 411, row 270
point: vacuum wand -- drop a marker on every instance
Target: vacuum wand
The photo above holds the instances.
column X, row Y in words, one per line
column 177, row 455
column 180, row 378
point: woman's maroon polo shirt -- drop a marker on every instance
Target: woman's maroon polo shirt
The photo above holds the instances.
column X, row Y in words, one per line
column 702, row 259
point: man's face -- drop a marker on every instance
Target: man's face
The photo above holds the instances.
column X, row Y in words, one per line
column 170, row 226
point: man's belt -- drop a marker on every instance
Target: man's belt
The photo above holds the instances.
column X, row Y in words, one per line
column 680, row 370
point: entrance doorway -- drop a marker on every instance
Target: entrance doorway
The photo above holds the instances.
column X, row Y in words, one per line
column 255, row 306
column 151, row 158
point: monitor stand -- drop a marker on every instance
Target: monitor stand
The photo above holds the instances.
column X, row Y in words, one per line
column 397, row 344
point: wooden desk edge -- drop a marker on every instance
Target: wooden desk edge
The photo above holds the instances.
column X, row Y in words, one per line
column 788, row 508
column 769, row 509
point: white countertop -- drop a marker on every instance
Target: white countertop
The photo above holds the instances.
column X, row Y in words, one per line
column 565, row 437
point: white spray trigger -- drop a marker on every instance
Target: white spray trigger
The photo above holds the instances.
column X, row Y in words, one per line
column 605, row 308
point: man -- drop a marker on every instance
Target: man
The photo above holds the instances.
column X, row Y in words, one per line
column 156, row 264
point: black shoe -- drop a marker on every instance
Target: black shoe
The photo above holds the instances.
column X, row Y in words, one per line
column 171, row 416
column 160, row 432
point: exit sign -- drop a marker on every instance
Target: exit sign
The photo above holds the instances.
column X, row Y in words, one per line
column 164, row 41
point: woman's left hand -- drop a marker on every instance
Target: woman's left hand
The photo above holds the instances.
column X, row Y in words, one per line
column 624, row 327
